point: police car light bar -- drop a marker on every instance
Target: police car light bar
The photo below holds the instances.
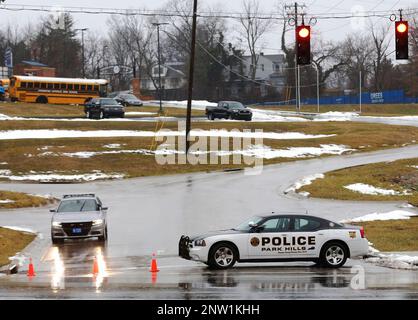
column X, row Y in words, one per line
column 90, row 195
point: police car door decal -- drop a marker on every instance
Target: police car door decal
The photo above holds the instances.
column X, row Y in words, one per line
column 283, row 243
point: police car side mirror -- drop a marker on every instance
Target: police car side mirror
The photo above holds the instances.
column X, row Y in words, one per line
column 252, row 224
column 104, row 208
column 52, row 210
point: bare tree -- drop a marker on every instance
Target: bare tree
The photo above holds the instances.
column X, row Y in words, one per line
column 253, row 29
column 381, row 42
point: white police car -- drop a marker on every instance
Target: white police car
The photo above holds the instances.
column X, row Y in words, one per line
column 276, row 238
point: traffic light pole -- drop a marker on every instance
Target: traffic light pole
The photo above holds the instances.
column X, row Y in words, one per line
column 296, row 63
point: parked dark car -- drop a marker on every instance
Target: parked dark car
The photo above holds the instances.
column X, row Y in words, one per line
column 127, row 99
column 229, row 110
column 100, row 108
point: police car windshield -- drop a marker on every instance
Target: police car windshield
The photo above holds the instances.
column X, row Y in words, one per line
column 109, row 101
column 245, row 226
column 79, row 205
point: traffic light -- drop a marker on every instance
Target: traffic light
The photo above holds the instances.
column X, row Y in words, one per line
column 303, row 44
column 401, row 32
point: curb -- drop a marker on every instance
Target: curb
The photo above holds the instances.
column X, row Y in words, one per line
column 13, row 266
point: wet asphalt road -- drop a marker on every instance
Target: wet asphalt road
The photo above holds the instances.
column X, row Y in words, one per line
column 150, row 214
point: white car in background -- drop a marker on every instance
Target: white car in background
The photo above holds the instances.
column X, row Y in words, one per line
column 275, row 238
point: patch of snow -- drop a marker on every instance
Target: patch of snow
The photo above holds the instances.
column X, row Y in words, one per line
column 196, row 104
column 392, row 215
column 394, row 261
column 5, row 172
column 112, row 146
column 258, row 151
column 7, row 201
column 3, row 163
column 55, row 134
column 51, row 177
column 304, row 182
column 368, row 189
column 336, row 116
column 274, row 116
column 22, row 229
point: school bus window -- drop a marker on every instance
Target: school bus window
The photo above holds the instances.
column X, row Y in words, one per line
column 83, row 87
column 89, row 88
column 30, row 85
column 23, row 84
column 95, row 88
column 56, row 86
column 70, row 86
column 43, row 85
column 36, row 85
column 63, row 86
column 76, row 87
column 50, row 86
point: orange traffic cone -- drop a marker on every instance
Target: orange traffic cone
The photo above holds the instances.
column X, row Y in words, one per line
column 31, row 270
column 154, row 267
column 95, row 267
column 154, row 277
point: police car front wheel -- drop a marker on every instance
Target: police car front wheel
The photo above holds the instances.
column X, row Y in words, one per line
column 333, row 255
column 222, row 256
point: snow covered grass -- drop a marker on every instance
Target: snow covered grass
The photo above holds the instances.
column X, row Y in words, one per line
column 12, row 200
column 283, row 141
column 57, row 134
column 368, row 189
column 392, row 215
column 49, row 177
column 11, row 242
column 304, row 182
column 385, row 181
column 394, row 231
column 258, row 151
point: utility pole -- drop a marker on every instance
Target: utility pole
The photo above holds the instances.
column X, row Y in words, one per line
column 158, row 24
column 295, row 13
column 82, row 50
column 191, row 77
column 360, row 85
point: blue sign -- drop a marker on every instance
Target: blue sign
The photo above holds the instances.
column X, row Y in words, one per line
column 8, row 58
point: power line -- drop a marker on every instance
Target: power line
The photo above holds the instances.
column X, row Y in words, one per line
column 203, row 14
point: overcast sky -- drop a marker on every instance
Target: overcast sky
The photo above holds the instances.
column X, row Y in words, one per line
column 326, row 29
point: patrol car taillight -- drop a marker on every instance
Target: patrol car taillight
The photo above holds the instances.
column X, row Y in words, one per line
column 362, row 232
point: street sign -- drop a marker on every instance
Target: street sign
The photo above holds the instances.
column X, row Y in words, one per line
column 8, row 58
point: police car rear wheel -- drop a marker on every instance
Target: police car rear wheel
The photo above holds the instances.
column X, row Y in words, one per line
column 222, row 256
column 333, row 255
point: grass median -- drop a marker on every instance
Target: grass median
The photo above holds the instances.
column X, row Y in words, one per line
column 34, row 110
column 383, row 110
column 14, row 200
column 11, row 242
column 45, row 155
column 392, row 235
column 399, row 176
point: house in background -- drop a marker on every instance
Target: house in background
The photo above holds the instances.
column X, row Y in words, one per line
column 33, row 68
column 269, row 77
column 173, row 80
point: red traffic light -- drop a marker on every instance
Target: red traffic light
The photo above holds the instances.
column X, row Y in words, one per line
column 402, row 27
column 304, row 32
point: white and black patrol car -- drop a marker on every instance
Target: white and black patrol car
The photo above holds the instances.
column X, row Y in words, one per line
column 274, row 238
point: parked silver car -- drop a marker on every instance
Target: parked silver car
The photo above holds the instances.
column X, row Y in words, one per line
column 79, row 216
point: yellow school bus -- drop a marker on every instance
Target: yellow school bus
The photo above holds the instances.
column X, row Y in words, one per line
column 56, row 90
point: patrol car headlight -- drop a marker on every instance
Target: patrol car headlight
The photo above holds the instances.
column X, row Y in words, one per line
column 97, row 222
column 56, row 224
column 200, row 243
